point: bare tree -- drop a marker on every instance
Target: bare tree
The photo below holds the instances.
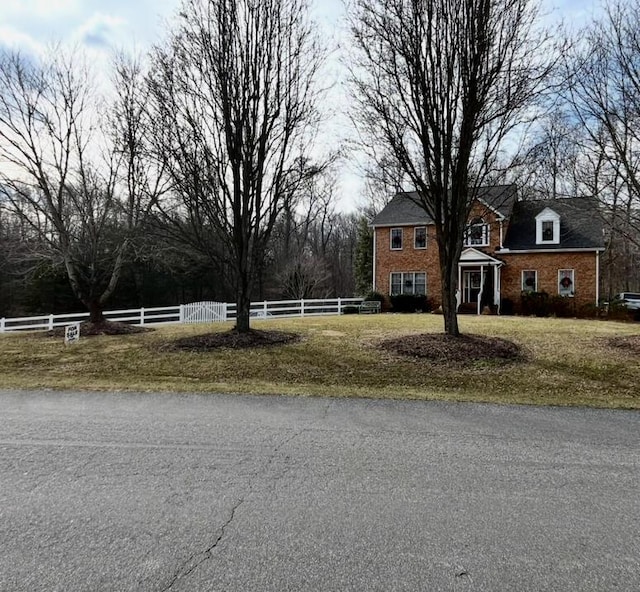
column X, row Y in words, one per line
column 234, row 90
column 604, row 94
column 552, row 167
column 442, row 84
column 76, row 182
column 47, row 174
column 306, row 276
column 383, row 179
column 141, row 177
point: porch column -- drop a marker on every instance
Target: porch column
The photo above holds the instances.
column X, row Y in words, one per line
column 482, row 274
column 496, row 288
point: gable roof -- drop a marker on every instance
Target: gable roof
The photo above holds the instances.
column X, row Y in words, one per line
column 403, row 209
column 580, row 224
column 471, row 255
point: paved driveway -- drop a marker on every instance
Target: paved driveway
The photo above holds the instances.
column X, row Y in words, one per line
column 146, row 492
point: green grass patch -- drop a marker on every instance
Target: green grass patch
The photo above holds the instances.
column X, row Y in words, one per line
column 568, row 362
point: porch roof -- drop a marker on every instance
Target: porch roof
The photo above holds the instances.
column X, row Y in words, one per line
column 473, row 256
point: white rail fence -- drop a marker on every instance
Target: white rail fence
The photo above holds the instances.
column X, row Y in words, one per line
column 197, row 312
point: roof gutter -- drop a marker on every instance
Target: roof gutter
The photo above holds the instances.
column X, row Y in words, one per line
column 570, row 250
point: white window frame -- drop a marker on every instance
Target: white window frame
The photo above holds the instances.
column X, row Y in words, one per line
column 548, row 215
column 486, row 229
column 391, row 292
column 404, row 275
column 415, row 237
column 522, row 284
column 562, row 291
column 391, row 239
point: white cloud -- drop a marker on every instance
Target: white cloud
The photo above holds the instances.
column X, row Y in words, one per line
column 15, row 39
column 101, row 30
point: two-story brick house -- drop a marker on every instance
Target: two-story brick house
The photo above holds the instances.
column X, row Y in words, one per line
column 510, row 247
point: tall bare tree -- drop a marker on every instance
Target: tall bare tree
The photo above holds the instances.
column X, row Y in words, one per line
column 48, row 177
column 234, row 90
column 75, row 180
column 141, row 178
column 604, row 94
column 442, row 84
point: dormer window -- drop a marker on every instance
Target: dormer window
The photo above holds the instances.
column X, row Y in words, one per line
column 477, row 234
column 548, row 227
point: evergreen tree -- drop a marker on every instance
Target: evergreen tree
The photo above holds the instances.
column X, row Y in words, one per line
column 363, row 266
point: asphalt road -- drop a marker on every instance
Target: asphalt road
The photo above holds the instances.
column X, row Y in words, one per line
column 148, row 492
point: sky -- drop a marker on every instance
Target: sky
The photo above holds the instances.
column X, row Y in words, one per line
column 102, row 27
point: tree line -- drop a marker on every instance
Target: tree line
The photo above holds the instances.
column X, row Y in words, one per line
column 197, row 173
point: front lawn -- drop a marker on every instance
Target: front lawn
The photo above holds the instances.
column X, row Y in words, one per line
column 563, row 362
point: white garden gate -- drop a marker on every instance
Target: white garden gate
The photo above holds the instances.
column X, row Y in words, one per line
column 204, row 312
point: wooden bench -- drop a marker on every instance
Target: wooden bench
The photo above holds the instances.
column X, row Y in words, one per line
column 369, row 306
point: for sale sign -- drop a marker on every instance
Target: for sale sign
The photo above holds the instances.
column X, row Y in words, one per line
column 72, row 333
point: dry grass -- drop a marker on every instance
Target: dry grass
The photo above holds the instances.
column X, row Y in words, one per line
column 566, row 362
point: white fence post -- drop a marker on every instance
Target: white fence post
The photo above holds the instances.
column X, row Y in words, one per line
column 339, row 306
column 50, row 322
column 182, row 313
column 302, row 308
column 141, row 316
column 264, row 309
column 2, row 325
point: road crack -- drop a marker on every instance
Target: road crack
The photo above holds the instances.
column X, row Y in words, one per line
column 197, row 559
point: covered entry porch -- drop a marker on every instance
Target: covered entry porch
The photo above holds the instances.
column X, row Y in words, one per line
column 478, row 281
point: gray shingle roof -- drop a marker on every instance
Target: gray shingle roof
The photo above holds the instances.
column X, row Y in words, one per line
column 580, row 224
column 402, row 209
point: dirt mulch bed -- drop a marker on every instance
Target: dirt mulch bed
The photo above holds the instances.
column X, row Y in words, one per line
column 630, row 343
column 106, row 328
column 232, row 340
column 466, row 349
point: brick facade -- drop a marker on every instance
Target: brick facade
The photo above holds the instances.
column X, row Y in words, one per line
column 546, row 264
column 406, row 259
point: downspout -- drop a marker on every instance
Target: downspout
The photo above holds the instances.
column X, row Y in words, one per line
column 481, row 293
column 497, row 288
column 597, row 277
column 460, row 288
column 374, row 259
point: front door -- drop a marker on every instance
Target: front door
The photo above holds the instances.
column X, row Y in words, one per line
column 471, row 281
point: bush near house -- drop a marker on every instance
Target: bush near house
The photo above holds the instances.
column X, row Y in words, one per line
column 541, row 304
column 618, row 312
column 534, row 304
column 507, row 307
column 409, row 303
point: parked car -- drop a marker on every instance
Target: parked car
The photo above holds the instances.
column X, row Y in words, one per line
column 630, row 300
column 260, row 314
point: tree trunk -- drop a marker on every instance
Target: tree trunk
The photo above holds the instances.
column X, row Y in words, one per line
column 449, row 249
column 449, row 301
column 243, row 298
column 96, row 314
column 243, row 309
